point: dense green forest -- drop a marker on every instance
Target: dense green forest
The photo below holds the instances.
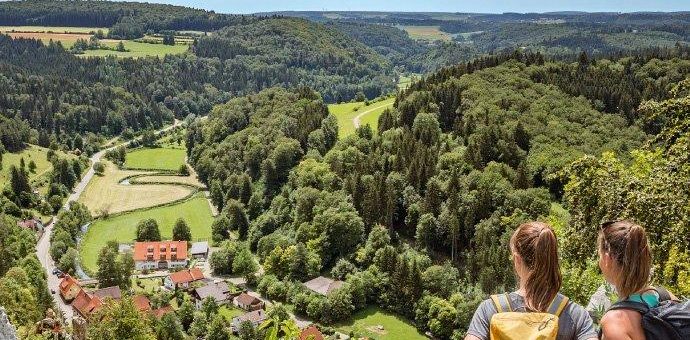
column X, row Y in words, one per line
column 125, row 19
column 415, row 217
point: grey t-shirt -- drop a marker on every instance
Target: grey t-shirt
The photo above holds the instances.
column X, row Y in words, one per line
column 574, row 323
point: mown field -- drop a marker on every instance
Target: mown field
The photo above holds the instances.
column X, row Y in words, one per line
column 429, row 33
column 32, row 153
column 366, row 322
column 156, row 158
column 122, row 228
column 106, row 193
column 136, row 49
column 346, row 113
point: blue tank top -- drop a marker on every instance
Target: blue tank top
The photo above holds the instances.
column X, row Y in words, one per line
column 650, row 298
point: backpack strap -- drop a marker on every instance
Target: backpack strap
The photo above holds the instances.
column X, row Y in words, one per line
column 558, row 304
column 639, row 307
column 664, row 295
column 502, row 303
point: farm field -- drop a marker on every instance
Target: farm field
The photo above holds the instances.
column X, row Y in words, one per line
column 66, row 35
column 156, row 158
column 31, row 153
column 105, row 193
column 195, row 211
column 53, row 29
column 429, row 33
column 365, row 322
column 346, row 113
column 136, row 49
column 172, row 179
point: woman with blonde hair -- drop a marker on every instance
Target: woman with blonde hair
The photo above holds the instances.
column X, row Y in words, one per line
column 527, row 313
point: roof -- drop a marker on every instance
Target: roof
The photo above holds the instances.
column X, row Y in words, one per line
column 30, row 223
column 323, row 285
column 187, row 275
column 218, row 291
column 66, row 283
column 255, row 317
column 110, row 292
column 86, row 304
column 142, row 302
column 247, row 300
column 162, row 311
column 199, row 248
column 311, row 333
column 152, row 251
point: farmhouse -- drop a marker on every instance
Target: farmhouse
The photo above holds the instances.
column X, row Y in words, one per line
column 248, row 302
column 69, row 288
column 31, row 224
column 160, row 255
column 256, row 318
column 323, row 285
column 87, row 303
column 220, row 292
column 199, row 250
column 142, row 302
column 160, row 312
column 183, row 278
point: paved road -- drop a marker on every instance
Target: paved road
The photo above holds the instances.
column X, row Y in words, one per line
column 43, row 245
column 355, row 121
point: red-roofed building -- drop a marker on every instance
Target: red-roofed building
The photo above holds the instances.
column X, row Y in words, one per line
column 248, row 302
column 143, row 303
column 32, row 224
column 69, row 288
column 160, row 255
column 183, row 278
column 311, row 333
column 87, row 303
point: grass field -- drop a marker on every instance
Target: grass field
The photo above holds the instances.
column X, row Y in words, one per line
column 66, row 35
column 136, row 49
column 230, row 312
column 122, row 228
column 429, row 33
column 364, row 323
column 190, row 180
column 105, row 193
column 32, row 152
column 346, row 113
column 56, row 29
column 155, row 158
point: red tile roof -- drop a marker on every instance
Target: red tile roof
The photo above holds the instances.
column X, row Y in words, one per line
column 311, row 333
column 187, row 275
column 162, row 311
column 66, row 284
column 142, row 302
column 30, row 224
column 152, row 251
column 86, row 304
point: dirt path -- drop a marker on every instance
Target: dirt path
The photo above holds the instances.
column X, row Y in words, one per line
column 355, row 121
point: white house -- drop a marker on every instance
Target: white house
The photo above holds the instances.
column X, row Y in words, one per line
column 160, row 255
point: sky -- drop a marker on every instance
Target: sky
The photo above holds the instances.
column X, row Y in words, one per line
column 472, row 6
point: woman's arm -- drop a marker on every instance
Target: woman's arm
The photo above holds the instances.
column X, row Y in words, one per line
column 616, row 325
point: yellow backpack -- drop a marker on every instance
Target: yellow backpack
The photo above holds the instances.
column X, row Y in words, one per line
column 509, row 325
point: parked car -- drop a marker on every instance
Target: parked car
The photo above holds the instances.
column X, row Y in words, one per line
column 59, row 273
column 55, row 271
column 52, row 291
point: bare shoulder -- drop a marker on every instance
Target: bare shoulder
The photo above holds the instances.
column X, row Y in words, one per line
column 621, row 324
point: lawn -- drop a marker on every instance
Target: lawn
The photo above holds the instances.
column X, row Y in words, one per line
column 429, row 33
column 66, row 35
column 196, row 212
column 230, row 312
column 30, row 153
column 141, row 286
column 136, row 49
column 365, row 322
column 106, row 193
column 155, row 158
column 346, row 113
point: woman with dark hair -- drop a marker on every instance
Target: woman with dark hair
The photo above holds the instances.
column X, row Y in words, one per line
column 527, row 311
column 625, row 260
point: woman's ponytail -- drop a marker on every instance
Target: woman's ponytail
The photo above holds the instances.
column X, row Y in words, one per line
column 626, row 242
column 537, row 245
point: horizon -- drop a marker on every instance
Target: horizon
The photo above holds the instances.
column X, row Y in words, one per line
column 436, row 6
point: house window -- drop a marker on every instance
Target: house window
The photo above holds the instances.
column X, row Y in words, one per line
column 162, row 257
column 173, row 256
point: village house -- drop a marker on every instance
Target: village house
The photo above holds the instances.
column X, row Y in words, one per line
column 311, row 333
column 256, row 318
column 87, row 303
column 323, row 285
column 248, row 302
column 160, row 312
column 220, row 292
column 199, row 250
column 142, row 302
column 32, row 224
column 160, row 255
column 183, row 278
column 69, row 288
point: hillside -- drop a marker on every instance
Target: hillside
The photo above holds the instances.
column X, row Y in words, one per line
column 295, row 51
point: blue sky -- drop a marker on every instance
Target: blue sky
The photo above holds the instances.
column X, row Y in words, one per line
column 483, row 6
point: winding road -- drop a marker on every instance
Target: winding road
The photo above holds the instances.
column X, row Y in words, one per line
column 43, row 245
column 356, row 122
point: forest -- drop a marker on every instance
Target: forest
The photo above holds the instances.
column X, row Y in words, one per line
column 568, row 118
